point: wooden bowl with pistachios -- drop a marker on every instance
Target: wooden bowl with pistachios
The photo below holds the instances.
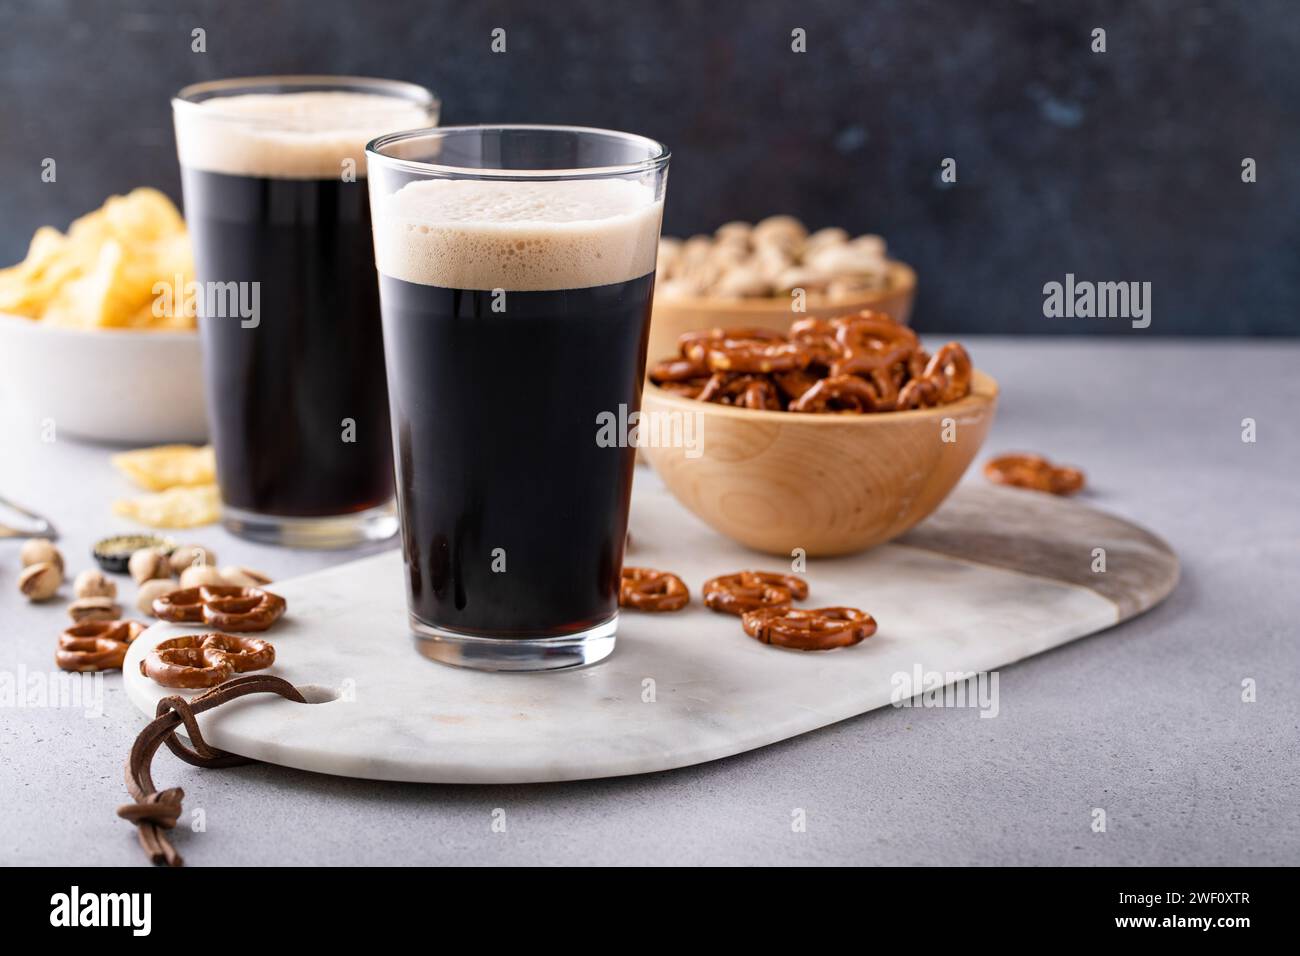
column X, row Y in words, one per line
column 747, row 275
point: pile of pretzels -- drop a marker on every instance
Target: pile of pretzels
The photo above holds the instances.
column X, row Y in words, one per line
column 191, row 661
column 772, row 258
column 854, row 364
column 206, row 660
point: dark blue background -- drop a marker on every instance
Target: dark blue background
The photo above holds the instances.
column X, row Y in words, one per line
column 1117, row 166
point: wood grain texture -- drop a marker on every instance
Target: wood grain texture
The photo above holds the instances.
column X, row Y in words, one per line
column 673, row 317
column 829, row 484
column 1040, row 534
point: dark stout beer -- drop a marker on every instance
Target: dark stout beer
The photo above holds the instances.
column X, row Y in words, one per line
column 279, row 393
column 276, row 202
column 515, row 315
column 494, row 425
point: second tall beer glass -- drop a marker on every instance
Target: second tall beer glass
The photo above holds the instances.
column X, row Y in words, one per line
column 274, row 171
column 516, row 269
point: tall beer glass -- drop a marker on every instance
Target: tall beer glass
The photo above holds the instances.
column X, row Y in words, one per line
column 516, row 269
column 273, row 170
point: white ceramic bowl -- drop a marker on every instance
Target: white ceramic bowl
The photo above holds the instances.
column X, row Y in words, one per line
column 112, row 385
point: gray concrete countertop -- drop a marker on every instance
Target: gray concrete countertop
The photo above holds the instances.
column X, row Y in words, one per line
column 1145, row 721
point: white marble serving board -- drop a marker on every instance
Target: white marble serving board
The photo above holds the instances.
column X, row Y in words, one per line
column 995, row 576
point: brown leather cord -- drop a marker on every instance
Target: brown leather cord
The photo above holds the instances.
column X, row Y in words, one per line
column 155, row 811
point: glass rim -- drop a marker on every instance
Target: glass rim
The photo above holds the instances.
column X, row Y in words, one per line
column 660, row 154
column 192, row 96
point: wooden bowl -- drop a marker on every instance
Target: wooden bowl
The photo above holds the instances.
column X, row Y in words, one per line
column 829, row 484
column 673, row 317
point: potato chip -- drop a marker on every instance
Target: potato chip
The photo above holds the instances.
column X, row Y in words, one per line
column 169, row 261
column 90, row 230
column 144, row 215
column 104, row 297
column 178, row 507
column 27, row 288
column 168, row 466
column 126, row 265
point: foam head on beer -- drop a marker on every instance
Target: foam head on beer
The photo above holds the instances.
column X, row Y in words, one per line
column 522, row 236
column 289, row 135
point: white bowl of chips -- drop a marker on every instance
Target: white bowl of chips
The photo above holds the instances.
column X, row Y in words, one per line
column 88, row 345
column 110, row 385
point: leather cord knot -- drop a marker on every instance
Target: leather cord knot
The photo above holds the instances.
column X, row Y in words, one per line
column 155, row 811
column 161, row 809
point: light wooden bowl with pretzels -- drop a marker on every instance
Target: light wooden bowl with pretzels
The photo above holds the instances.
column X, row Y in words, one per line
column 829, row 484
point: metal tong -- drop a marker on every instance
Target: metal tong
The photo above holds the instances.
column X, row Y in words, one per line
column 40, row 527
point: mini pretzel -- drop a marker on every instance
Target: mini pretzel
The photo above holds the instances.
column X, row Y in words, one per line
column 680, row 376
column 750, row 590
column 920, row 393
column 245, row 653
column 952, row 362
column 911, row 388
column 945, row 378
column 205, row 660
column 96, row 645
column 818, row 337
column 89, row 654
column 123, row 632
column 915, row 366
column 795, row 384
column 872, row 330
column 809, row 629
column 1034, row 472
column 229, row 608
column 756, row 355
column 694, row 346
column 738, row 350
column 803, row 330
column 886, row 381
column 691, row 387
column 842, row 393
column 186, row 667
column 751, row 391
column 677, row 370
column 870, row 342
column 649, row 590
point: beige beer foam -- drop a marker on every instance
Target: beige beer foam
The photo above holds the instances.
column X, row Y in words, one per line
column 289, row 135
column 518, row 236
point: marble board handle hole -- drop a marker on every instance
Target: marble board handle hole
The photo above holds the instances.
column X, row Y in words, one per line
column 318, row 694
